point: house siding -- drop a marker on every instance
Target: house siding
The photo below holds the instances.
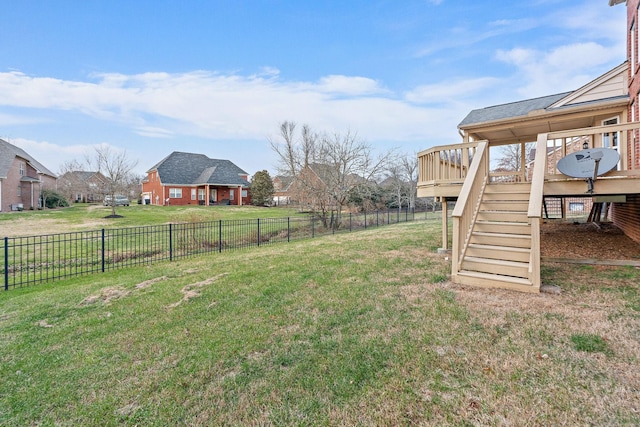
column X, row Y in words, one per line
column 11, row 184
column 14, row 191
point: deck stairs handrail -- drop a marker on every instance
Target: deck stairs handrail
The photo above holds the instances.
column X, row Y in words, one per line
column 534, row 211
column 476, row 209
column 467, row 204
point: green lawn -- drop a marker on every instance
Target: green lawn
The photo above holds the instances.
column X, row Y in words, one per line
column 92, row 217
column 351, row 329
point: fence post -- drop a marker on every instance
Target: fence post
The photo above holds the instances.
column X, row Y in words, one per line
column 170, row 242
column 365, row 220
column 313, row 229
column 102, row 242
column 388, row 216
column 350, row 222
column 377, row 218
column 258, row 232
column 333, row 225
column 6, row 263
column 288, row 229
column 219, row 235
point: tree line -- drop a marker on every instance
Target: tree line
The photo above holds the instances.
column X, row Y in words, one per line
column 328, row 173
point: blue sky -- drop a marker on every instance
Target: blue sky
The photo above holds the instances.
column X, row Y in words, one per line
column 217, row 77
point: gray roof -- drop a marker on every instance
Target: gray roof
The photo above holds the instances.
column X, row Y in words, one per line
column 197, row 169
column 8, row 152
column 512, row 109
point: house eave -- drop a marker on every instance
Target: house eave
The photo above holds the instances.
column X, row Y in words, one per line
column 541, row 114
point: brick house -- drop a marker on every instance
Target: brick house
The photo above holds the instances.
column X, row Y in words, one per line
column 22, row 179
column 195, row 179
column 83, row 186
column 282, row 190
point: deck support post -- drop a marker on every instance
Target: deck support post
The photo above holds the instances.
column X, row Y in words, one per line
column 445, row 226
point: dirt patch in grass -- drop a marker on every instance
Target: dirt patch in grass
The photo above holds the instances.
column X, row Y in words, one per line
column 147, row 283
column 105, row 296
column 192, row 290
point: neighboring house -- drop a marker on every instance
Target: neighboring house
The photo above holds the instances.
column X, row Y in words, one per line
column 195, row 179
column 83, row 186
column 496, row 224
column 282, row 190
column 22, row 179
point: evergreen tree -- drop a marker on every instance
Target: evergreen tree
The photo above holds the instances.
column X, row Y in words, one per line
column 261, row 189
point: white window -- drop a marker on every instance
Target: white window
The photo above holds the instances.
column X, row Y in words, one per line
column 576, row 207
column 19, row 191
column 611, row 139
column 232, row 194
column 244, row 193
column 193, row 194
column 21, row 169
column 200, row 193
column 175, row 193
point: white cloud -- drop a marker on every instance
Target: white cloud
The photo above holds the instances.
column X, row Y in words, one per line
column 450, row 91
column 562, row 69
column 345, row 85
column 214, row 105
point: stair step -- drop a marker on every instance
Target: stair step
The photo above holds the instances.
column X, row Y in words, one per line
column 496, row 266
column 503, row 227
column 503, row 196
column 505, row 205
column 501, row 239
column 520, row 187
column 499, row 252
column 503, row 216
column 486, row 280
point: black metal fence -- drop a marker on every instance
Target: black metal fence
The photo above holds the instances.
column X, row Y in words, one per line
column 32, row 260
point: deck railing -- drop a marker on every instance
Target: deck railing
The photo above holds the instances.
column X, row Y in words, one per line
column 466, row 207
column 559, row 144
column 446, row 163
column 449, row 164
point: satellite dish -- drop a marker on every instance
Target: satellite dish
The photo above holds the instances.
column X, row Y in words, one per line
column 589, row 163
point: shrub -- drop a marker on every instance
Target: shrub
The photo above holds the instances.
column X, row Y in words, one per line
column 53, row 199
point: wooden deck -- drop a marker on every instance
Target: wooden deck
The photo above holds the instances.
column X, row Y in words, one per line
column 496, row 219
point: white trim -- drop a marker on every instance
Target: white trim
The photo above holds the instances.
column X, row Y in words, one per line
column 616, row 77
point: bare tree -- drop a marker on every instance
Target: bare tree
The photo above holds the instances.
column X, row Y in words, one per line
column 326, row 168
column 294, row 154
column 410, row 169
column 68, row 183
column 117, row 167
column 394, row 184
column 511, row 157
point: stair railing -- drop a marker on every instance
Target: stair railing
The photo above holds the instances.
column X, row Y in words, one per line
column 464, row 211
column 534, row 212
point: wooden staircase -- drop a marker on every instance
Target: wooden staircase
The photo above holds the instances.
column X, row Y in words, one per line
column 498, row 246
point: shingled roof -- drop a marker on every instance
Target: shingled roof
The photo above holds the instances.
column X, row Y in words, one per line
column 8, row 152
column 180, row 168
column 512, row 109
